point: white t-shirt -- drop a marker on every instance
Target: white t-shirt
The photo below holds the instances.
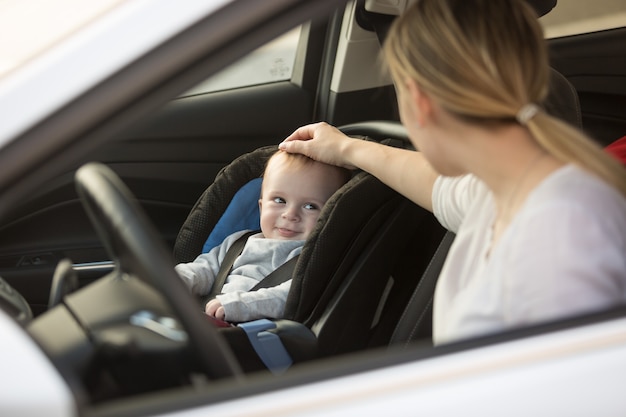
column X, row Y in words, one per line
column 563, row 254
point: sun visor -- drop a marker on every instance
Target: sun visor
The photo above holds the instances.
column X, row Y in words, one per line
column 396, row 7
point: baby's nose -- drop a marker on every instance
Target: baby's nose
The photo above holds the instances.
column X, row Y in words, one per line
column 291, row 213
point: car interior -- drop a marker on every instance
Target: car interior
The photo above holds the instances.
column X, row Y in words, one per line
column 92, row 251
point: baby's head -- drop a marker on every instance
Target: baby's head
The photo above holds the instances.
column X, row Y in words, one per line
column 294, row 190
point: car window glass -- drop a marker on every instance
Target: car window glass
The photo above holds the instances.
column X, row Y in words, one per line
column 572, row 17
column 269, row 63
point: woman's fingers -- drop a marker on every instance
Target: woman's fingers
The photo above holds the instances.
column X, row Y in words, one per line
column 291, row 145
column 319, row 141
column 303, row 133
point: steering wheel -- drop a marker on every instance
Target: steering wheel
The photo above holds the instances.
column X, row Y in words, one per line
column 137, row 249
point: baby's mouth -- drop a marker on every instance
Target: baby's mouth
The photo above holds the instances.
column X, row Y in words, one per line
column 286, row 232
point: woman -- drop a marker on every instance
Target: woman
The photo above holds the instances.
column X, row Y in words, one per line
column 539, row 210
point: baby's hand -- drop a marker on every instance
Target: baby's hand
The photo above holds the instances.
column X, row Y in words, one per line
column 214, row 308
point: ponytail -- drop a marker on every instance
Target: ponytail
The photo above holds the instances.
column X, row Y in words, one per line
column 569, row 145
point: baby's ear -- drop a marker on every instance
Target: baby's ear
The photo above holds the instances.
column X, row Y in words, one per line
column 260, row 204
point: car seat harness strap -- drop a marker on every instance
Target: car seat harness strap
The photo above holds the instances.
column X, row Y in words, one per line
column 267, row 345
column 278, row 276
column 227, row 264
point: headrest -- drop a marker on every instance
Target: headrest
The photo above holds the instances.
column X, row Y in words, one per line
column 241, row 214
column 542, row 7
column 216, row 199
column 562, row 100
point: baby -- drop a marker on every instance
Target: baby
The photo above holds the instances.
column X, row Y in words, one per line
column 293, row 192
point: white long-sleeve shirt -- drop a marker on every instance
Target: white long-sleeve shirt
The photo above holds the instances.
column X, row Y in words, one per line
column 260, row 257
column 563, row 254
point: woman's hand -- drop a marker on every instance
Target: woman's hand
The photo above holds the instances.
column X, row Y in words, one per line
column 407, row 172
column 319, row 141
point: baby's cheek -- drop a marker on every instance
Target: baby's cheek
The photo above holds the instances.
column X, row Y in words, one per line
column 311, row 221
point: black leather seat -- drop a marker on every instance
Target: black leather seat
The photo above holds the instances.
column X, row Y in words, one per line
column 366, row 250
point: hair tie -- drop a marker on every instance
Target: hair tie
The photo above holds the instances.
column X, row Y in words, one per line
column 527, row 112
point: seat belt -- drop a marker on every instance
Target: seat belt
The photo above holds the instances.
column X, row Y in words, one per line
column 227, row 264
column 278, row 276
column 419, row 308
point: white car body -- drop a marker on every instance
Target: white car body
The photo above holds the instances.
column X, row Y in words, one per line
column 31, row 385
column 568, row 373
column 41, row 86
column 577, row 371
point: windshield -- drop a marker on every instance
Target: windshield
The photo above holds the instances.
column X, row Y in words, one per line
column 29, row 27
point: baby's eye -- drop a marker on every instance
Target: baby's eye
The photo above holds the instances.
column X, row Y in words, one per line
column 279, row 200
column 310, row 206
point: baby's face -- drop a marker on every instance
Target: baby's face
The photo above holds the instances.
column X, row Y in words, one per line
column 292, row 199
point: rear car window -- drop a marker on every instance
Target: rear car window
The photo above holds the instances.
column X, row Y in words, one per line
column 573, row 17
column 270, row 63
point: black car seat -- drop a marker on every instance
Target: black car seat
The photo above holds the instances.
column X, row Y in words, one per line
column 361, row 265
column 356, row 270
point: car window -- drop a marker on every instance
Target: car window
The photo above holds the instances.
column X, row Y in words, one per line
column 572, row 17
column 269, row 63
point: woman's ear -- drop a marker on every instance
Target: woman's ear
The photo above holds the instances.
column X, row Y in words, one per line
column 420, row 102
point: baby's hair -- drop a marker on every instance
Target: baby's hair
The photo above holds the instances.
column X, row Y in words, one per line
column 297, row 160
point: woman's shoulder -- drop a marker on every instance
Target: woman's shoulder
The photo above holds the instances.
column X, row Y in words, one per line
column 576, row 187
column 573, row 224
column 573, row 202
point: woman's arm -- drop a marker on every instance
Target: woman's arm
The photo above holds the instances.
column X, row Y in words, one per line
column 405, row 171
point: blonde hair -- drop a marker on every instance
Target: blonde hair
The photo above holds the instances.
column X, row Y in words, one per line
column 298, row 161
column 483, row 61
